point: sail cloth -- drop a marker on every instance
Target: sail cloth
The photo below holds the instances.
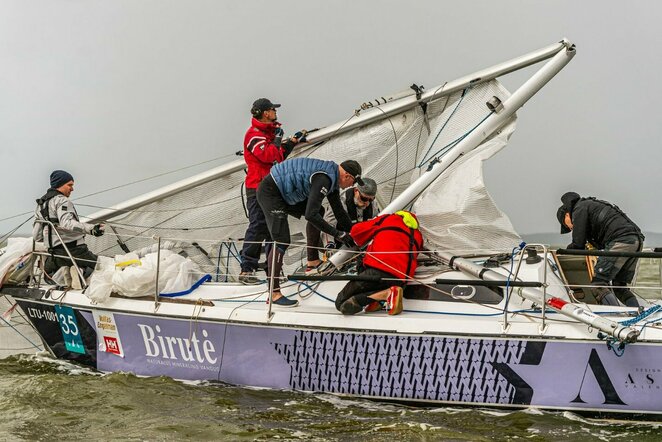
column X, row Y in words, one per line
column 456, row 211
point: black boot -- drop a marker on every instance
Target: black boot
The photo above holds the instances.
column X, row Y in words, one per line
column 605, row 296
column 626, row 297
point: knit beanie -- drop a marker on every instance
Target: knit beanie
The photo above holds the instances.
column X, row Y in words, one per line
column 60, row 177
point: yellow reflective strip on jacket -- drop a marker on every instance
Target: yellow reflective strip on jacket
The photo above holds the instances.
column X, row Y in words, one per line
column 128, row 263
column 408, row 219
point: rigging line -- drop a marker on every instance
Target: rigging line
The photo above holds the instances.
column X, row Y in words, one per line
column 154, row 176
column 129, row 184
column 137, row 234
column 15, row 216
column 163, row 210
column 21, row 334
column 185, row 229
column 464, row 93
column 425, row 116
column 7, row 235
column 454, row 143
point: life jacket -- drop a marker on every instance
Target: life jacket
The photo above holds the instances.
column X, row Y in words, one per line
column 45, row 214
column 397, row 232
column 293, row 177
column 610, row 212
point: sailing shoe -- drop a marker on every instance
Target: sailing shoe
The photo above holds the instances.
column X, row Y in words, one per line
column 374, row 306
column 284, row 301
column 248, row 278
column 394, row 301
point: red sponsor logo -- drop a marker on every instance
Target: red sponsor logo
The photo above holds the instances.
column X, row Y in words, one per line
column 112, row 346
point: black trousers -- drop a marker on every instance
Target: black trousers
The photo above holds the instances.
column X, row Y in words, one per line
column 256, row 233
column 85, row 259
column 618, row 271
column 313, row 241
column 360, row 290
column 276, row 211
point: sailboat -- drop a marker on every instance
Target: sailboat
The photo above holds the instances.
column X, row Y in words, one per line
column 488, row 320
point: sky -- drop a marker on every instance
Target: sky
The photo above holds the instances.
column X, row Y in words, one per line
column 118, row 91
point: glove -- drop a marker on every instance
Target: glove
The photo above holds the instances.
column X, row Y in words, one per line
column 278, row 136
column 97, row 230
column 301, row 135
column 346, row 239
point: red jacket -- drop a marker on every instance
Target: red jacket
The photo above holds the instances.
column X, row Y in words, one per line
column 259, row 152
column 389, row 234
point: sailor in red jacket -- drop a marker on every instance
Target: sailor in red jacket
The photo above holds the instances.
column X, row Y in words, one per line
column 389, row 234
column 263, row 147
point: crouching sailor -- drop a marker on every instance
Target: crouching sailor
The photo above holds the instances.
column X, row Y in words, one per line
column 396, row 241
column 604, row 226
column 56, row 207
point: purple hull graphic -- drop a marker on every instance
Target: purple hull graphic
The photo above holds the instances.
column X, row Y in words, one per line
column 490, row 371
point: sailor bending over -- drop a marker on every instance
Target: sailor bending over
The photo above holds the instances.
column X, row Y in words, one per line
column 263, row 147
column 297, row 187
column 56, row 207
column 604, row 226
column 396, row 241
column 359, row 203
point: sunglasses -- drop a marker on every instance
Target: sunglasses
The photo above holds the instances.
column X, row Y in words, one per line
column 366, row 199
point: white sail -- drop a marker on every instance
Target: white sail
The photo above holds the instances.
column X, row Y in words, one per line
column 394, row 141
column 392, row 151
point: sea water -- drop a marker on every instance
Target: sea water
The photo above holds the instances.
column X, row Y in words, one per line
column 44, row 399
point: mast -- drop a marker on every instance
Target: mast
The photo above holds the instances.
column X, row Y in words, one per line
column 501, row 113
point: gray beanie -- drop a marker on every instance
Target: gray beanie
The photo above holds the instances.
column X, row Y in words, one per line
column 369, row 187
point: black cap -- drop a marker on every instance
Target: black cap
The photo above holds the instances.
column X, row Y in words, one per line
column 263, row 104
column 560, row 215
column 354, row 169
column 59, row 178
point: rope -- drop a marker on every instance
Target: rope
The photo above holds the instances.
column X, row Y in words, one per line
column 642, row 315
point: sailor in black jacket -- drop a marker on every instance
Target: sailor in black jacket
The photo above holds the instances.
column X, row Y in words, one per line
column 604, row 226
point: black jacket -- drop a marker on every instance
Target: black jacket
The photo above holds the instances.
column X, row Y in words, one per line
column 597, row 222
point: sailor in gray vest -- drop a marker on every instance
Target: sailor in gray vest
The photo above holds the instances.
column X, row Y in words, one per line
column 297, row 187
column 359, row 203
column 56, row 207
column 605, row 227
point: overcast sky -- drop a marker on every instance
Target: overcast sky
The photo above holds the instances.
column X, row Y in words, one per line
column 116, row 91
